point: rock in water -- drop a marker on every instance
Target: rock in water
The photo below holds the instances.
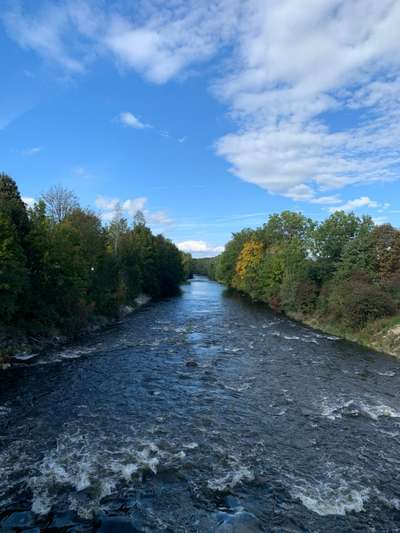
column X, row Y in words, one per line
column 192, row 363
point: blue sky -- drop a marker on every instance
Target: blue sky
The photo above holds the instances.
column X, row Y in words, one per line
column 207, row 115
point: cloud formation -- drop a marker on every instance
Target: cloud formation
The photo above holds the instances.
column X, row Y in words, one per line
column 288, row 73
column 199, row 247
column 128, row 119
column 352, row 205
column 29, row 152
column 110, row 207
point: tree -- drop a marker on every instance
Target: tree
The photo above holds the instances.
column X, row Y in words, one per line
column 226, row 265
column 187, row 264
column 12, row 208
column 170, row 267
column 386, row 243
column 298, row 291
column 60, row 202
column 117, row 228
column 286, row 226
column 139, row 219
column 335, row 232
column 14, row 274
column 248, row 267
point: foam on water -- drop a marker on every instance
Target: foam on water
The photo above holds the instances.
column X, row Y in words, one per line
column 233, row 474
column 357, row 408
column 4, row 411
column 238, row 388
column 388, row 373
column 330, row 499
column 97, row 468
column 25, row 356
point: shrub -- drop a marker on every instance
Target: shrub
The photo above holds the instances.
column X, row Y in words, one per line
column 355, row 301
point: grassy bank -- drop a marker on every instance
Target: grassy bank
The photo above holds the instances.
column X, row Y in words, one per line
column 382, row 335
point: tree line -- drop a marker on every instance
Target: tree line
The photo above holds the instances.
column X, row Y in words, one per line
column 60, row 266
column 344, row 270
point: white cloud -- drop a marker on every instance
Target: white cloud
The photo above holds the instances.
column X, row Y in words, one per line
column 292, row 64
column 109, row 207
column 134, row 204
column 171, row 37
column 45, row 32
column 284, row 67
column 106, row 204
column 28, row 152
column 199, row 247
column 28, row 201
column 128, row 119
column 351, row 205
column 160, row 217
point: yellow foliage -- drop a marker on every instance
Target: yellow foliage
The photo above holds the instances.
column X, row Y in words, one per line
column 250, row 257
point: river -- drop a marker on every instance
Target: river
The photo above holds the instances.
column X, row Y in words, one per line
column 202, row 413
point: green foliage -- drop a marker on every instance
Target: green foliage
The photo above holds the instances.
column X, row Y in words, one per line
column 205, row 266
column 14, row 275
column 344, row 269
column 355, row 301
column 187, row 265
column 287, row 226
column 58, row 269
column 333, row 235
column 12, row 208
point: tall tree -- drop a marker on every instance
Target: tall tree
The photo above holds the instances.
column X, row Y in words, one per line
column 12, row 208
column 60, row 202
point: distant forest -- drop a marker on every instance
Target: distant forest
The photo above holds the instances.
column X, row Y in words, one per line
column 343, row 271
column 60, row 266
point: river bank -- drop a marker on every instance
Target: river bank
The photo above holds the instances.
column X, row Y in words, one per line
column 15, row 347
column 380, row 335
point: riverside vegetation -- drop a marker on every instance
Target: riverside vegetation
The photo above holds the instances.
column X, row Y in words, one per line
column 61, row 270
column 341, row 275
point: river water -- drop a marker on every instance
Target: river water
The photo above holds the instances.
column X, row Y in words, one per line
column 202, row 413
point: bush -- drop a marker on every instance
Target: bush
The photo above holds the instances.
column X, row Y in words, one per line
column 354, row 302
